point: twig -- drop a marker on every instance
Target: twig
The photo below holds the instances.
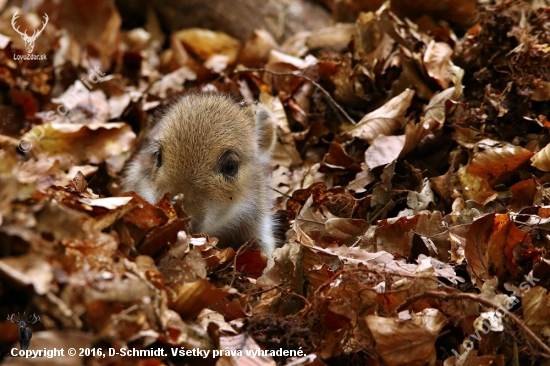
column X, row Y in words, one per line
column 456, row 295
column 380, row 212
column 316, row 84
column 442, row 295
column 271, row 287
column 287, row 196
column 379, row 271
column 239, row 252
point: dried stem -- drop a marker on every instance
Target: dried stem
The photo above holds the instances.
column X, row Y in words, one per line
column 316, row 84
column 465, row 296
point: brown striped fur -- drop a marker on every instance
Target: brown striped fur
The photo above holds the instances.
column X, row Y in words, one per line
column 194, row 134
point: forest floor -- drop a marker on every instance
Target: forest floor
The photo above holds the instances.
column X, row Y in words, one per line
column 411, row 177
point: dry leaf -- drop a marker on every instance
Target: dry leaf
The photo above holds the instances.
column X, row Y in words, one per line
column 437, row 60
column 475, row 188
column 362, row 179
column 257, row 49
column 384, row 150
column 249, row 349
column 384, row 121
column 435, row 110
column 419, row 201
column 195, row 296
column 206, row 43
column 495, row 163
column 172, row 82
column 535, row 303
column 78, row 144
column 541, row 160
column 407, row 342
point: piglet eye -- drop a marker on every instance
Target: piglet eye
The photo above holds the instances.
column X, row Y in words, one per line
column 158, row 155
column 230, row 168
column 229, row 165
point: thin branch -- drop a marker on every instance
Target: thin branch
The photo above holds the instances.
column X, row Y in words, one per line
column 380, row 212
column 377, row 270
column 271, row 287
column 287, row 196
column 457, row 295
column 242, row 249
column 316, row 84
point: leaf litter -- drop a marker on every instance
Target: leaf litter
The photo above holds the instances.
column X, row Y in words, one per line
column 410, row 178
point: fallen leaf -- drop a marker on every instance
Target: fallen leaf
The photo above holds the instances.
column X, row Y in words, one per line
column 419, row 201
column 248, row 347
column 83, row 143
column 172, row 82
column 407, row 342
column 257, row 49
column 475, row 188
column 362, row 179
column 435, row 110
column 437, row 60
column 492, row 164
column 384, row 150
column 206, row 43
column 193, row 297
column 541, row 160
column 384, row 121
column 535, row 303
column 28, row 270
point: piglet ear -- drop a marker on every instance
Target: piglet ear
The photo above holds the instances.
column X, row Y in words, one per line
column 265, row 129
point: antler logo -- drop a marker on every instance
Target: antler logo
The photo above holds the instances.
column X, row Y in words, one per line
column 25, row 334
column 29, row 40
